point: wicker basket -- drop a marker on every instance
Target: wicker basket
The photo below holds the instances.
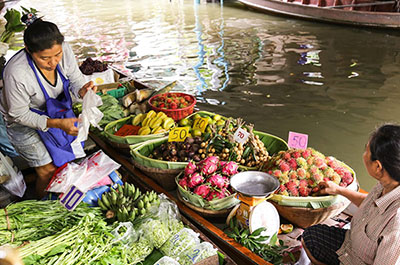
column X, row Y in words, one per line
column 305, row 217
column 164, row 177
column 176, row 114
column 205, row 212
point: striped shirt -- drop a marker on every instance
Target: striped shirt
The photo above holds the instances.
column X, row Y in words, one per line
column 374, row 237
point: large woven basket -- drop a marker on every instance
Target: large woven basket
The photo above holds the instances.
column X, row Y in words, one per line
column 305, row 217
column 164, row 177
column 206, row 212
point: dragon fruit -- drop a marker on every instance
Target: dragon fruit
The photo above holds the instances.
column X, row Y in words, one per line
column 209, row 165
column 195, row 179
column 183, row 183
column 217, row 181
column 217, row 194
column 211, row 159
column 190, row 168
column 230, row 168
column 202, row 190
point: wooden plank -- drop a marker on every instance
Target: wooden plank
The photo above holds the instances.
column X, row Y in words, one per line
column 236, row 251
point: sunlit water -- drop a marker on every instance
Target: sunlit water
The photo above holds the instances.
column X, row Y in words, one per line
column 334, row 83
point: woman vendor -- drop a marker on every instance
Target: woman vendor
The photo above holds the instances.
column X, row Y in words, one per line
column 374, row 237
column 36, row 100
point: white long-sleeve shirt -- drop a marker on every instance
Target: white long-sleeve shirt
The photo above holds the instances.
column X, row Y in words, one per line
column 21, row 90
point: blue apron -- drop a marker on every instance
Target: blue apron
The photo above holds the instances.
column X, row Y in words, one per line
column 57, row 141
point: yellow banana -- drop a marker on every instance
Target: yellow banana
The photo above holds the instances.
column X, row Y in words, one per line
column 155, row 122
column 144, row 130
column 161, row 114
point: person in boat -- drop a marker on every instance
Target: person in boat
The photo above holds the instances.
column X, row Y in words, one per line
column 36, row 101
column 374, row 236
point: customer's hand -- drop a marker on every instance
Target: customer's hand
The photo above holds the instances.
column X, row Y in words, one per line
column 89, row 85
column 329, row 187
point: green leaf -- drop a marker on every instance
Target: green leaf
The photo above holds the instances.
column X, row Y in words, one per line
column 258, row 231
column 57, row 249
column 274, row 239
column 32, row 259
column 221, row 258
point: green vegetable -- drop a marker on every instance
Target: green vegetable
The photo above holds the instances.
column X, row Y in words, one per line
column 156, row 232
column 177, row 244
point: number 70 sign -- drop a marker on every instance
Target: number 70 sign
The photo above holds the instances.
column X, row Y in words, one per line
column 297, row 140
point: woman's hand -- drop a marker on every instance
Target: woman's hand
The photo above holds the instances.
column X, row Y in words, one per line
column 67, row 125
column 329, row 187
column 89, row 85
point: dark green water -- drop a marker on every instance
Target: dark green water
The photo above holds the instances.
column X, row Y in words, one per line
column 334, row 83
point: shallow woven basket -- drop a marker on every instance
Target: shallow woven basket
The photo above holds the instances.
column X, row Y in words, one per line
column 305, row 217
column 205, row 212
column 124, row 148
column 164, row 177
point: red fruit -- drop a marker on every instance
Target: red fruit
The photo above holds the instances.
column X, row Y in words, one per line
column 296, row 154
column 169, row 100
column 315, row 189
column 293, row 163
column 304, row 191
column 187, row 98
column 282, row 187
column 173, row 105
column 303, row 183
column 162, row 105
column 306, row 153
column 284, row 166
column 286, row 156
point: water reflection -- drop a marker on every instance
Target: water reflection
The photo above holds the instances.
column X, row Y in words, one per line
column 334, row 83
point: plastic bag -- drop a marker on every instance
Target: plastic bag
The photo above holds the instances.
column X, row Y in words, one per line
column 168, row 214
column 16, row 184
column 98, row 165
column 156, row 232
column 125, row 233
column 178, row 243
column 90, row 115
column 197, row 253
column 65, row 176
column 166, row 261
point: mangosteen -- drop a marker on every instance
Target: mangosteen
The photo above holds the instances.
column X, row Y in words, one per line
column 189, row 140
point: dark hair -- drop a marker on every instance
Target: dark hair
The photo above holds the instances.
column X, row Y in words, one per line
column 42, row 35
column 384, row 145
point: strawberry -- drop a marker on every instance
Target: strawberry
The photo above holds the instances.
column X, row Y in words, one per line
column 173, row 105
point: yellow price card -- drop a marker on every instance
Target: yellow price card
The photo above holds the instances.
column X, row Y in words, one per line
column 200, row 124
column 178, row 134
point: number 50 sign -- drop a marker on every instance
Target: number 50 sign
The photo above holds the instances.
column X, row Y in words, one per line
column 298, row 140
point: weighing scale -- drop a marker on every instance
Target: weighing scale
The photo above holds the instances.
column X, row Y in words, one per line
column 253, row 189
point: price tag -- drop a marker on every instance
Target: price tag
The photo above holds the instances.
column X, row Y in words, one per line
column 72, row 197
column 200, row 124
column 178, row 134
column 298, row 140
column 241, row 136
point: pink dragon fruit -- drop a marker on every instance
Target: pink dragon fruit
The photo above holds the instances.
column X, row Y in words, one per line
column 230, row 168
column 202, row 190
column 208, row 168
column 211, row 159
column 217, row 194
column 183, row 183
column 190, row 168
column 217, row 181
column 195, row 179
column 221, row 164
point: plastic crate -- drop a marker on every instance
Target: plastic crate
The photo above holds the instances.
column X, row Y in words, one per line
column 117, row 93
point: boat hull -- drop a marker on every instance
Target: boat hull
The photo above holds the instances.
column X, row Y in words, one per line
column 326, row 14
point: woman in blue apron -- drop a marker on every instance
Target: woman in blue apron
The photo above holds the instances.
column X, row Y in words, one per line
column 36, row 100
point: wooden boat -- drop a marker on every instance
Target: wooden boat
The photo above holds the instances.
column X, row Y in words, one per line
column 370, row 13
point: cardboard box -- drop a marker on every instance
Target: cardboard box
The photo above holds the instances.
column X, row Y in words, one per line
column 101, row 78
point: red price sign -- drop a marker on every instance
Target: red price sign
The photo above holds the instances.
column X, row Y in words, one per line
column 298, row 140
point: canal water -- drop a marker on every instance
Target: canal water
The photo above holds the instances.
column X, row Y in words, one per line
column 333, row 83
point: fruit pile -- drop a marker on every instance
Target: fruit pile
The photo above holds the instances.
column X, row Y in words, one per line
column 90, row 66
column 172, row 101
column 216, row 120
column 209, row 178
column 125, row 203
column 148, row 123
column 300, row 171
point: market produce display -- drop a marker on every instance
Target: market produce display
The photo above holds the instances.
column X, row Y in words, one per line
column 125, row 203
column 90, row 66
column 218, row 140
column 300, row 171
column 206, row 184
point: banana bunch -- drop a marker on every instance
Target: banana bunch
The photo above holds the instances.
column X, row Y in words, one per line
column 153, row 122
column 127, row 202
